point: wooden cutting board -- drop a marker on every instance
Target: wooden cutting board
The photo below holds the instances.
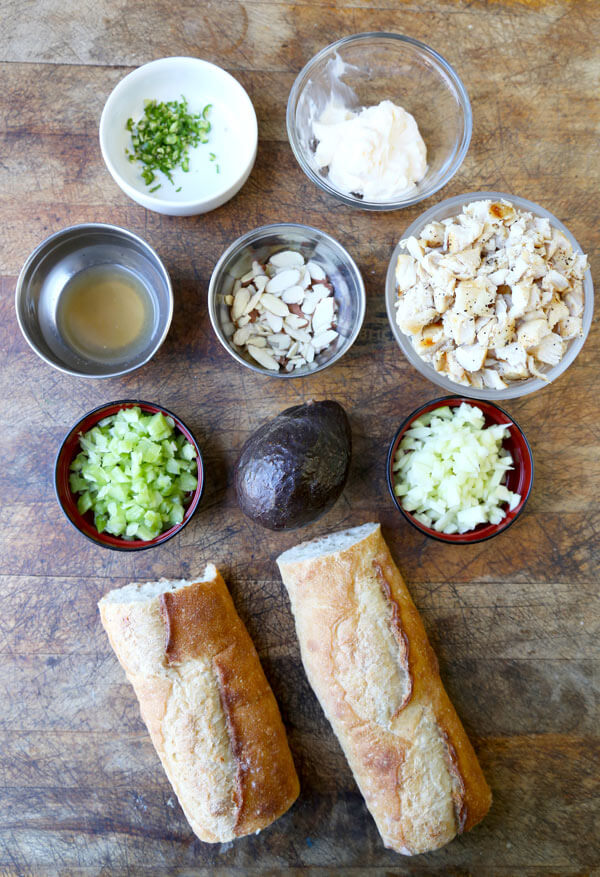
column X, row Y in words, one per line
column 514, row 621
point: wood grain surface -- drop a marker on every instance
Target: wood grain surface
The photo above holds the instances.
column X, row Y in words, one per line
column 514, row 621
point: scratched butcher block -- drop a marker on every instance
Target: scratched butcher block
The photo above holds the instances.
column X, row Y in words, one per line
column 513, row 621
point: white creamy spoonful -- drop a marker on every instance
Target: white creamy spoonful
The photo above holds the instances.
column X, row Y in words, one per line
column 377, row 152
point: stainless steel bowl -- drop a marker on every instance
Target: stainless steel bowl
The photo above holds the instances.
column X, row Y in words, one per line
column 49, row 270
column 260, row 244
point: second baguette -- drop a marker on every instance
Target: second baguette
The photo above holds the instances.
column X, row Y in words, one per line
column 369, row 661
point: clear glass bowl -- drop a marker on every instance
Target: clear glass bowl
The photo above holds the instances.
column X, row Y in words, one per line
column 516, row 389
column 384, row 66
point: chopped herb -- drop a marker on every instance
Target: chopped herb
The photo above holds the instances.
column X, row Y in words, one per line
column 212, row 156
column 162, row 138
column 154, row 188
column 218, row 169
column 178, row 189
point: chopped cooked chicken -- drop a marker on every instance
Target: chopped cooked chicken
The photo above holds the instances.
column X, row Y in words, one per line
column 406, row 272
column 550, row 349
column 570, row 327
column 521, row 294
column 491, row 295
column 471, row 356
column 556, row 312
column 531, row 332
column 433, row 234
column 474, row 297
column 460, row 326
column 415, row 309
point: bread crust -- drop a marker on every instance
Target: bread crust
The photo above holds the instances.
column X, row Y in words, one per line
column 207, row 704
column 401, row 735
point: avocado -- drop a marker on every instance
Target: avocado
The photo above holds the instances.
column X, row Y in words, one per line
column 294, row 467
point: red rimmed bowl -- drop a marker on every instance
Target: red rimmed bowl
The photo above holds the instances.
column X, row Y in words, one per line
column 68, row 501
column 519, row 479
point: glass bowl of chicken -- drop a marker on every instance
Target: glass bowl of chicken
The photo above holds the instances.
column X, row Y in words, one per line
column 491, row 293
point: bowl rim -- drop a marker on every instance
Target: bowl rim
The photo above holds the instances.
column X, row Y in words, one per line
column 138, row 73
column 73, row 230
column 516, row 389
column 246, row 239
column 462, row 97
column 134, row 544
column 460, row 538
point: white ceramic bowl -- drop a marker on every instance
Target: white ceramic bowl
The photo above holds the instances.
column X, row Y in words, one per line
column 516, row 389
column 233, row 137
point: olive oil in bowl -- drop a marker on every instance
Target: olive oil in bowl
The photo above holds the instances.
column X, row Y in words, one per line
column 106, row 313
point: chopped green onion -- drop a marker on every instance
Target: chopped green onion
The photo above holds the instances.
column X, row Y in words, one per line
column 161, row 139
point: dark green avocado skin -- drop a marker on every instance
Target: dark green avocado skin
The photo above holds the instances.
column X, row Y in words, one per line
column 294, row 467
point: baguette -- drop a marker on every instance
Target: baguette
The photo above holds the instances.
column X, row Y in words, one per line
column 205, row 700
column 368, row 659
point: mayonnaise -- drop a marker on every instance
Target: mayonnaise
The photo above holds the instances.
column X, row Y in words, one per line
column 377, row 152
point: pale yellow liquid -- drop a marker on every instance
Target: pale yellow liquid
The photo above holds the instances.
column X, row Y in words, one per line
column 105, row 313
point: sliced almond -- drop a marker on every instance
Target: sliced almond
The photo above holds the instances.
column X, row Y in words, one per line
column 281, row 341
column 229, row 300
column 287, row 259
column 295, row 322
column 247, row 278
column 257, row 340
column 263, row 357
column 323, row 315
column 324, row 339
column 293, row 295
column 283, row 280
column 305, row 279
column 254, row 300
column 257, row 268
column 311, row 300
column 260, row 281
column 241, row 299
column 273, row 321
column 293, row 350
column 316, row 272
column 241, row 335
column 274, row 304
column 243, row 321
column 298, row 334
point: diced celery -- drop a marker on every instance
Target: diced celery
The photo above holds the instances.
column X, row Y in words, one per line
column 187, row 451
column 77, row 483
column 158, row 427
column 133, row 472
column 187, row 482
column 173, row 466
column 84, row 503
column 164, row 484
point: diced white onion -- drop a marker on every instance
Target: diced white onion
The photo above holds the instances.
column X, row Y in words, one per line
column 449, row 470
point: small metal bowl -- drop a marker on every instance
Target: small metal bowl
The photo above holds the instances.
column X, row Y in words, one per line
column 519, row 479
column 260, row 244
column 56, row 262
column 68, row 502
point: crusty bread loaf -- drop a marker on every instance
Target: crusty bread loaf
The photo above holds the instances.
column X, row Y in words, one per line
column 206, row 702
column 369, row 661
